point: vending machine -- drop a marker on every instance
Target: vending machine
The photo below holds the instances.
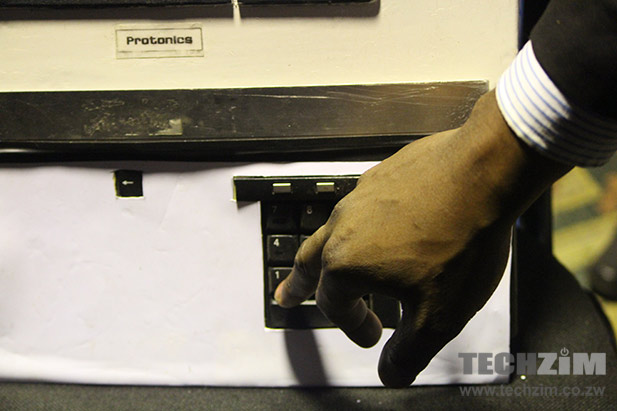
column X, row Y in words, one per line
column 161, row 162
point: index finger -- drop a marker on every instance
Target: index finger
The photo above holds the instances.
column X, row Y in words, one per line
column 304, row 277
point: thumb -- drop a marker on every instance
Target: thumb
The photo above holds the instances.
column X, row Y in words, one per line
column 411, row 347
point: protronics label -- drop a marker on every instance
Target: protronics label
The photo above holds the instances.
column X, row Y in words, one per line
column 158, row 42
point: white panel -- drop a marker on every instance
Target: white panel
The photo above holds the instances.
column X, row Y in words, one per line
column 168, row 288
column 403, row 41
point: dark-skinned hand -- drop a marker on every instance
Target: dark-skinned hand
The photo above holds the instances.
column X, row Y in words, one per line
column 430, row 226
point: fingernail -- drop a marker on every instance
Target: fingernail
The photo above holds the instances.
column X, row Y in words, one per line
column 278, row 293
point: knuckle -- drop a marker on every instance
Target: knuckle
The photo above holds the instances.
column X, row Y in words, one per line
column 363, row 178
column 334, row 259
column 299, row 257
column 338, row 209
column 339, row 267
column 367, row 174
column 301, row 264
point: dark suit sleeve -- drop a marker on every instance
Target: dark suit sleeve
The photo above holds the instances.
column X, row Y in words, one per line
column 575, row 42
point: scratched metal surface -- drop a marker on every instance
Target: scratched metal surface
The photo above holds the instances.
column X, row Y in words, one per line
column 252, row 118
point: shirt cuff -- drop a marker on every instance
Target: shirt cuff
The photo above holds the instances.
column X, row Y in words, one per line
column 540, row 115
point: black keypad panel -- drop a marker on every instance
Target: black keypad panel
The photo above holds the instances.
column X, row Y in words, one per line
column 293, row 208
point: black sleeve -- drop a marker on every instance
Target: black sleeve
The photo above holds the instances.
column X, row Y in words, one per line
column 575, row 41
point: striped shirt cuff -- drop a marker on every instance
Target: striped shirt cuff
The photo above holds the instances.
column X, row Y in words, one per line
column 542, row 116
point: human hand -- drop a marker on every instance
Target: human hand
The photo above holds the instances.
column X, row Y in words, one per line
column 429, row 226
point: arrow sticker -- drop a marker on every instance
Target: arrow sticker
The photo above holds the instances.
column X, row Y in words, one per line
column 128, row 183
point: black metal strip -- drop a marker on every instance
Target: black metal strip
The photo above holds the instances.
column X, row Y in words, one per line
column 200, row 124
column 300, row 188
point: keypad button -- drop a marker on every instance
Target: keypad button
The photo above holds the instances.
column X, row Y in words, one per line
column 325, row 187
column 314, row 215
column 281, row 249
column 275, row 276
column 281, row 218
column 281, row 188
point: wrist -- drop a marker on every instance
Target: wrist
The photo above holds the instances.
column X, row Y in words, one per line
column 510, row 173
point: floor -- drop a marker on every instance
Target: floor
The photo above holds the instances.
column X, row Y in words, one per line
column 585, row 222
